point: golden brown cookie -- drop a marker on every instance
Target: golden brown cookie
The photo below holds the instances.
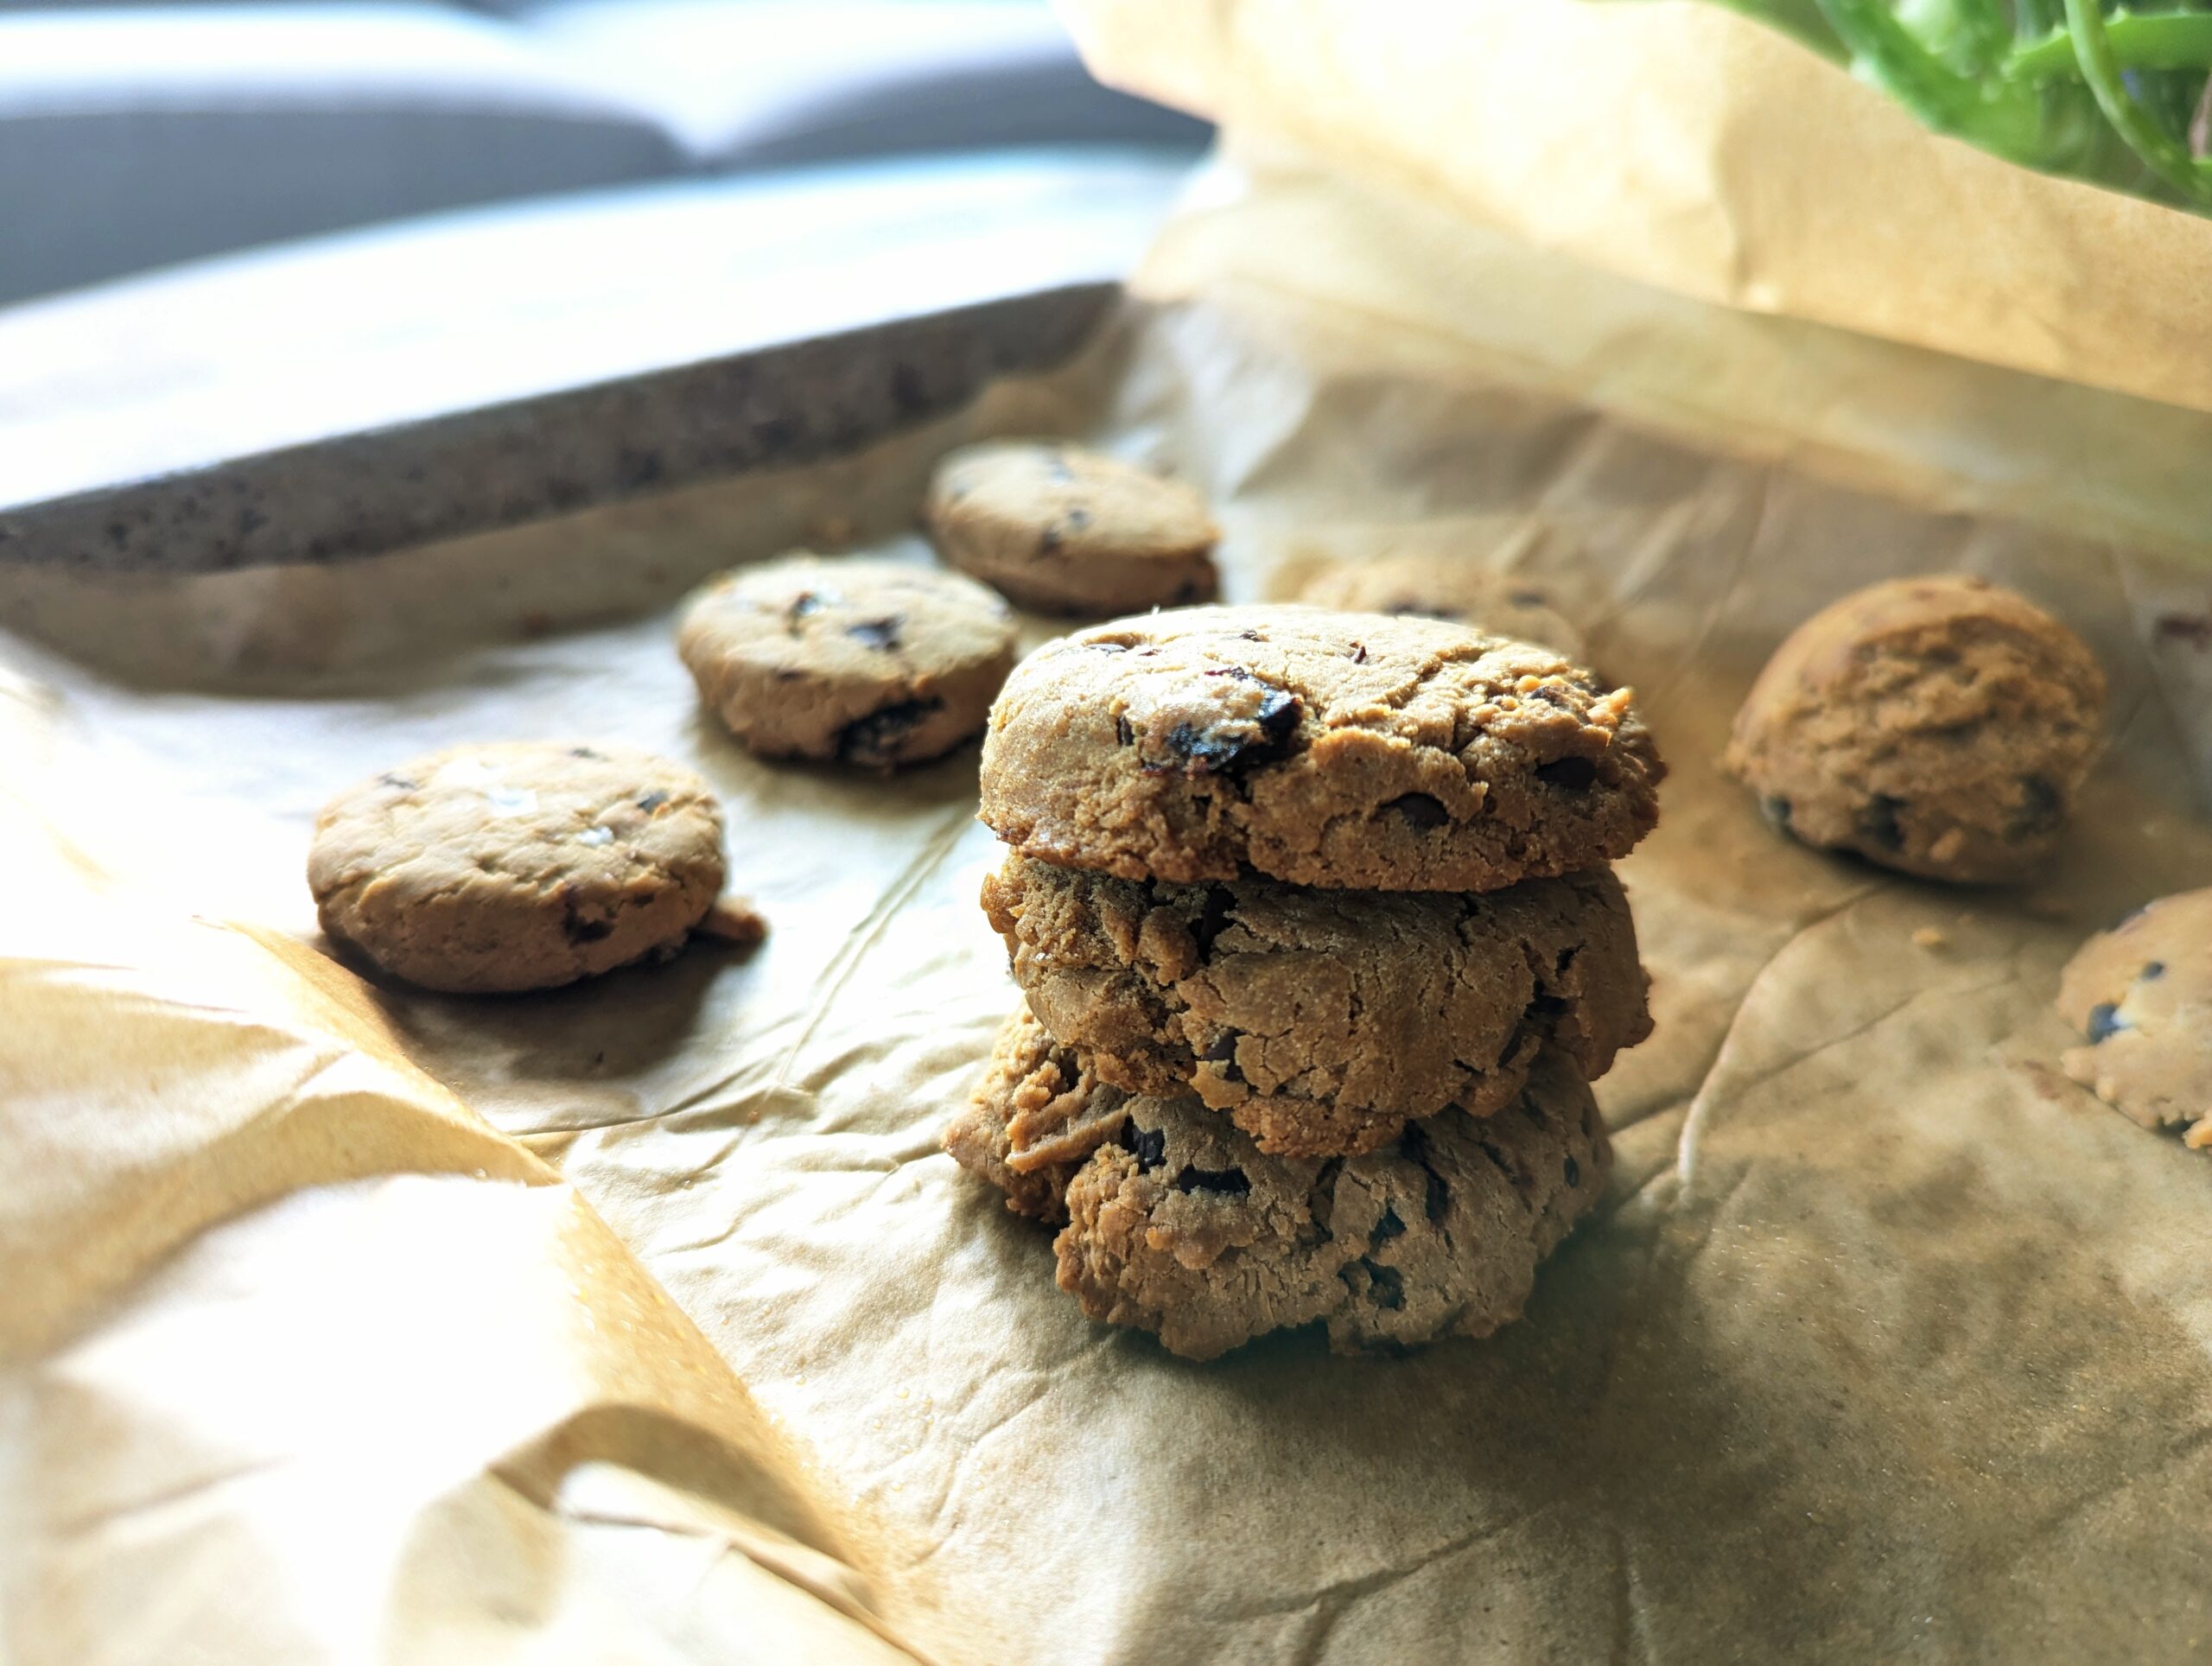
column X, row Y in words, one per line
column 1438, row 587
column 1938, row 726
column 872, row 663
column 1323, row 1022
column 2142, row 993
column 1323, row 748
column 1178, row 1224
column 1067, row 530
column 523, row 865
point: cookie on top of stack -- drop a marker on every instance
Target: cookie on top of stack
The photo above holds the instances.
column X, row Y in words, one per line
column 1319, row 948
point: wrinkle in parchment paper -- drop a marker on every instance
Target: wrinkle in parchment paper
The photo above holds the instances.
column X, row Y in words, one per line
column 1888, row 1340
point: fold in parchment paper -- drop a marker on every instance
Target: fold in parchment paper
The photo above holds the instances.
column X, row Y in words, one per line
column 1685, row 145
column 645, row 1319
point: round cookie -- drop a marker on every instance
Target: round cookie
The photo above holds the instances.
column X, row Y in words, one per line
column 1937, row 726
column 1323, row 748
column 1323, row 1022
column 1436, row 586
column 2142, row 993
column 490, row 869
column 1177, row 1223
column 1065, row 530
column 861, row 662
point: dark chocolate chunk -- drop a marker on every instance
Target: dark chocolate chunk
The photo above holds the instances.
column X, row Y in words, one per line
column 2153, row 970
column 1877, row 822
column 1123, row 732
column 1222, row 1049
column 879, row 634
column 1571, row 772
column 583, row 752
column 808, row 602
column 652, row 802
column 873, row 739
column 399, row 781
column 2105, row 1021
column 1147, row 1145
column 1573, row 1172
column 1418, row 809
column 1235, row 746
column 2042, row 808
column 574, row 926
column 1359, row 653
column 1231, row 1182
column 1776, row 809
column 1078, row 518
column 1528, row 599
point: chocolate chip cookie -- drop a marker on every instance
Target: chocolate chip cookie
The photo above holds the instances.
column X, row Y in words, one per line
column 1436, row 586
column 871, row 663
column 1065, row 530
column 2142, row 993
column 1177, row 1223
column 490, row 868
column 1323, row 1022
column 1322, row 748
column 1938, row 726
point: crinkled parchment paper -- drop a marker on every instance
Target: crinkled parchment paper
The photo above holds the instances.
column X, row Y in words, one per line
column 1682, row 144
column 645, row 1321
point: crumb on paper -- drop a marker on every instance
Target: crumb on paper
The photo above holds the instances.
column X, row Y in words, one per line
column 1928, row 936
column 735, row 920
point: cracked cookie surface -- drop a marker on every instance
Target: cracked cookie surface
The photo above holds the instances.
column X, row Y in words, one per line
column 872, row 663
column 1323, row 1022
column 1065, row 530
column 1176, row 1224
column 1323, row 748
column 492, row 868
column 2142, row 993
column 1438, row 587
column 1941, row 726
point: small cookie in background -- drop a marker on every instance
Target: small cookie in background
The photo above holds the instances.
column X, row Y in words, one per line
column 1937, row 726
column 2142, row 993
column 1436, row 587
column 487, row 869
column 1064, row 531
column 1346, row 750
column 872, row 663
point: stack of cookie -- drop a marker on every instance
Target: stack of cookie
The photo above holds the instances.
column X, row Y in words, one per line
column 1319, row 950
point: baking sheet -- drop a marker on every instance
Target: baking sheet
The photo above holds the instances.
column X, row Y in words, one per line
column 1887, row 1340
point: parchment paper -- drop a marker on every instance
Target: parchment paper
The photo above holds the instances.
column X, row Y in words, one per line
column 1682, row 144
column 1888, row 1342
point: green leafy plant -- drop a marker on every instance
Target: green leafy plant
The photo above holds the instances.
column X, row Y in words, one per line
column 2081, row 87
